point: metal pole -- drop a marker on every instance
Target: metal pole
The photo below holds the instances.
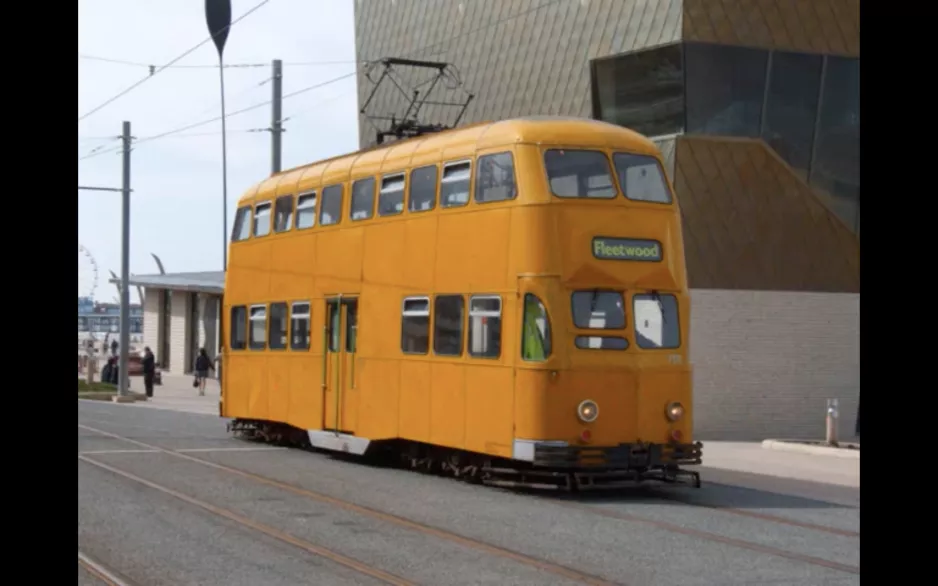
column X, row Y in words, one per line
column 276, row 124
column 224, row 168
column 125, row 263
column 831, row 422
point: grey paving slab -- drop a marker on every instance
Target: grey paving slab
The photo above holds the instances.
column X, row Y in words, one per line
column 422, row 558
column 156, row 540
column 594, row 540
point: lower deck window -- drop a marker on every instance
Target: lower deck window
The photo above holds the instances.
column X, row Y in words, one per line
column 657, row 323
column 257, row 333
column 601, row 343
column 485, row 326
column 535, row 336
column 415, row 325
column 239, row 318
column 598, row 310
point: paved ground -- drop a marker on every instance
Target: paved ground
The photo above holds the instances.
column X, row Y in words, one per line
column 167, row 497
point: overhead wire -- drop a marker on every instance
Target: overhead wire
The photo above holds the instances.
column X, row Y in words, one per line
column 157, row 71
column 491, row 24
column 210, row 66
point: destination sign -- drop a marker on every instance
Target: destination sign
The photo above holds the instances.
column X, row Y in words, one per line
column 626, row 249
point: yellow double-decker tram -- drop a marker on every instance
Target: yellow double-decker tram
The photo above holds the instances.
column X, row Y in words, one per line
column 505, row 302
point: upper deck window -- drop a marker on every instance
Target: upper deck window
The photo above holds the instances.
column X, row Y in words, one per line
column 363, row 199
column 454, row 185
column 242, row 225
column 579, row 174
column 495, row 178
column 330, row 208
column 657, row 322
column 283, row 213
column 262, row 219
column 391, row 199
column 306, row 210
column 422, row 189
column 598, row 310
column 641, row 178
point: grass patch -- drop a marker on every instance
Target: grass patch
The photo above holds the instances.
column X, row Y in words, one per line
column 95, row 387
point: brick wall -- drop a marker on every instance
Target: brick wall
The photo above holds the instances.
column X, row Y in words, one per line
column 765, row 362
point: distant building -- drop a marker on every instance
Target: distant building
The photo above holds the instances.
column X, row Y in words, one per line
column 100, row 319
column 180, row 314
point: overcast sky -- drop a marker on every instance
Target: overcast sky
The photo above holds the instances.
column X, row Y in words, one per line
column 176, row 204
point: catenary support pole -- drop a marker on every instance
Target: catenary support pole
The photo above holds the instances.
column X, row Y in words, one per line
column 224, row 170
column 276, row 123
column 125, row 263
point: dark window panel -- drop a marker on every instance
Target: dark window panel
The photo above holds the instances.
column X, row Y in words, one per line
column 791, row 109
column 643, row 91
column 836, row 165
column 725, row 88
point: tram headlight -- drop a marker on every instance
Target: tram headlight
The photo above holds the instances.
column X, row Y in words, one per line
column 674, row 411
column 587, row 411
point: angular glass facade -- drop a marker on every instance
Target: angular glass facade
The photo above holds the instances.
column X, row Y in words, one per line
column 805, row 106
column 643, row 91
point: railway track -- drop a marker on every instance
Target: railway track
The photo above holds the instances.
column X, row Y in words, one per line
column 559, row 570
column 102, row 572
column 495, row 550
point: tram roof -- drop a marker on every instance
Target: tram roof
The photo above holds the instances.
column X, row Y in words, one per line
column 529, row 129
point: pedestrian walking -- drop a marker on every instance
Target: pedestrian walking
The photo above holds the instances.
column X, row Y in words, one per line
column 149, row 369
column 202, row 365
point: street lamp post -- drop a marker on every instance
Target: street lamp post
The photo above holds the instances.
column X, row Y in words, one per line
column 218, row 19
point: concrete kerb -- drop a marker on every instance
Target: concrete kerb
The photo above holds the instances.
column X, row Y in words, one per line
column 801, row 448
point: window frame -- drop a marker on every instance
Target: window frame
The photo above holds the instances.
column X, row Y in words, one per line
column 322, row 203
column 442, row 179
column 297, row 316
column 661, row 172
column 249, row 210
column 587, row 339
column 252, row 345
column 485, row 313
column 545, row 340
column 381, row 192
column 277, row 212
column 462, row 324
column 371, row 207
column 650, row 296
column 514, row 177
column 436, row 188
column 269, row 206
column 610, row 169
column 428, row 313
column 306, row 195
column 243, row 344
column 285, row 320
column 622, row 297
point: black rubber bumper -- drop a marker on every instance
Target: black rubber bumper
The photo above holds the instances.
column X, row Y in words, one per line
column 620, row 457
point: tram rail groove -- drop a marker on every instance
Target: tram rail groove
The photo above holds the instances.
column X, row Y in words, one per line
column 496, row 550
column 101, row 571
column 316, row 550
column 709, row 536
column 469, row 542
column 760, row 516
column 656, row 495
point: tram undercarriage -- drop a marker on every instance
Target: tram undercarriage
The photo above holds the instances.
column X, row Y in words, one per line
column 554, row 472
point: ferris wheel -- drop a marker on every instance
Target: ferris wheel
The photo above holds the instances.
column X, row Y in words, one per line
column 87, row 273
